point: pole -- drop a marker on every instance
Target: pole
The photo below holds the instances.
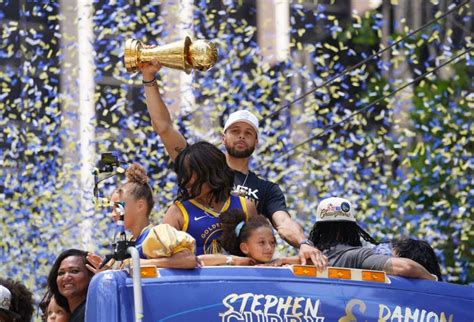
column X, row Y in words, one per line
column 137, row 283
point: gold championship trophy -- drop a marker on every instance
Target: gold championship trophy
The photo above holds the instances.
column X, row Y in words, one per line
column 184, row 55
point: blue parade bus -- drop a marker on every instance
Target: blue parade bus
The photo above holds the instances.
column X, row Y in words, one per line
column 274, row 294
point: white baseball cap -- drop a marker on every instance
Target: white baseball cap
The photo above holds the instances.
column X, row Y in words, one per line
column 5, row 302
column 335, row 209
column 242, row 116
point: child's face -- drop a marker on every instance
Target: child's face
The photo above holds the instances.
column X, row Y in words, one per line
column 130, row 208
column 56, row 313
column 260, row 245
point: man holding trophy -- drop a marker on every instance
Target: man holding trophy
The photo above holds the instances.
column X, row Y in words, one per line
column 240, row 135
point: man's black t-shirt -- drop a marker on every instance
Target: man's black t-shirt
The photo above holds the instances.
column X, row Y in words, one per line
column 266, row 195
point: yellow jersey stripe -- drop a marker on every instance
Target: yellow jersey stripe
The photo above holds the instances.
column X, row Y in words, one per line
column 184, row 212
column 244, row 207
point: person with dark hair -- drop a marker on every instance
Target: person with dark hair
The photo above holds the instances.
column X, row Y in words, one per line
column 204, row 192
column 20, row 302
column 240, row 137
column 419, row 251
column 247, row 241
column 52, row 311
column 135, row 199
column 16, row 301
column 6, row 311
column 236, row 231
column 69, row 280
column 337, row 234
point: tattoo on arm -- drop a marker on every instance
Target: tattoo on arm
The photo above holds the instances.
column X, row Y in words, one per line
column 388, row 268
column 178, row 149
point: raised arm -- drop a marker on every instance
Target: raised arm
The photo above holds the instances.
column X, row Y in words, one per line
column 161, row 121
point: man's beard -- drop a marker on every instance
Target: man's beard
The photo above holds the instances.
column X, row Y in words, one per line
column 233, row 152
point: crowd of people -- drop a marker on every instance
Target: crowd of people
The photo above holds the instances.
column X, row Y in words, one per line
column 224, row 214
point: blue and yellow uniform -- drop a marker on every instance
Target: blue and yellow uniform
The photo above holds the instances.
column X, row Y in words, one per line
column 139, row 240
column 204, row 224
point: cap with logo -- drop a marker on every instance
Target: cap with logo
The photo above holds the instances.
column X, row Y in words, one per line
column 5, row 302
column 335, row 209
column 242, row 116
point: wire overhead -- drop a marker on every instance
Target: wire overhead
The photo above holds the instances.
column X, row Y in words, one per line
column 363, row 109
column 351, row 68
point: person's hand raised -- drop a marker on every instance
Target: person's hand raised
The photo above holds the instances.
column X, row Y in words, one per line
column 95, row 261
column 150, row 69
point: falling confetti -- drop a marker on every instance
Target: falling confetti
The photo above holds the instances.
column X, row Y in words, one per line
column 406, row 163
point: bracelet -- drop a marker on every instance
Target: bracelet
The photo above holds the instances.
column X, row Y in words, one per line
column 229, row 260
column 306, row 242
column 149, row 83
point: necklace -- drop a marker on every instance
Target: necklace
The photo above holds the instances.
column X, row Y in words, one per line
column 242, row 189
column 209, row 207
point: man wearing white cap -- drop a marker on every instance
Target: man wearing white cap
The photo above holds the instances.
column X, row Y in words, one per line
column 6, row 315
column 337, row 234
column 240, row 137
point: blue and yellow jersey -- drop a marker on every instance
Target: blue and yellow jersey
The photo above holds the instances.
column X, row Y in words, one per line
column 204, row 224
column 139, row 240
